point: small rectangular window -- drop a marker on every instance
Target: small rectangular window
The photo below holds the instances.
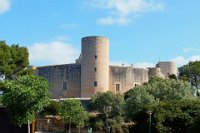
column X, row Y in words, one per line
column 64, row 85
column 95, row 69
column 95, row 56
column 117, row 87
column 95, row 83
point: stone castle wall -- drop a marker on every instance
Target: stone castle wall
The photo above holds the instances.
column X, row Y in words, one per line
column 92, row 73
column 124, row 78
column 65, row 79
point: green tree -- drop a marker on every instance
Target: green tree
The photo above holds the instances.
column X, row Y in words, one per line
column 191, row 73
column 25, row 96
column 156, row 90
column 52, row 109
column 73, row 112
column 176, row 116
column 111, row 106
column 143, row 98
column 169, row 89
column 137, row 99
column 172, row 76
column 195, row 128
column 108, row 102
column 13, row 60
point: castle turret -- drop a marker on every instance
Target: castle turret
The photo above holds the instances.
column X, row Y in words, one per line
column 155, row 71
column 167, row 68
column 94, row 65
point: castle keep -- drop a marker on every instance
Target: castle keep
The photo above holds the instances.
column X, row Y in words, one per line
column 92, row 73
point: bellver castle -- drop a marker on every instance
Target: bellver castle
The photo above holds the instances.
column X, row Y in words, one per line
column 91, row 73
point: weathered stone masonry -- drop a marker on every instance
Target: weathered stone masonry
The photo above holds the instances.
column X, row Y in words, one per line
column 92, row 73
column 64, row 79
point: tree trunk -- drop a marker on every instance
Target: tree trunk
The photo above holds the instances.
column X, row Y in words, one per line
column 79, row 129
column 69, row 125
column 29, row 131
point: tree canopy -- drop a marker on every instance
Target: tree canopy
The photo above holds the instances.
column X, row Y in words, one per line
column 13, row 60
column 169, row 89
column 155, row 91
column 102, row 102
column 24, row 96
column 73, row 112
column 191, row 73
column 111, row 107
column 173, row 116
column 177, row 116
column 52, row 109
column 137, row 99
column 165, row 89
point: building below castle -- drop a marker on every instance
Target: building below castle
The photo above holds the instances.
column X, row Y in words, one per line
column 92, row 72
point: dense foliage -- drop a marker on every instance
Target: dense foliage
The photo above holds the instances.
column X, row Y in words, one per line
column 24, row 96
column 111, row 108
column 177, row 116
column 137, row 99
column 108, row 102
column 191, row 73
column 195, row 128
column 52, row 109
column 13, row 60
column 156, row 90
column 169, row 89
column 73, row 112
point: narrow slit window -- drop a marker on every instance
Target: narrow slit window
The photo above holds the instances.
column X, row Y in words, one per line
column 64, row 85
column 95, row 56
column 95, row 69
column 95, row 83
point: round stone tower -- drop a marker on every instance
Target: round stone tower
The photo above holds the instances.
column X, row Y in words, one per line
column 167, row 68
column 94, row 65
column 155, row 71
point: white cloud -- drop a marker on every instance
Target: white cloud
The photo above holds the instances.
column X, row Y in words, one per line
column 191, row 49
column 120, row 11
column 136, row 65
column 144, row 64
column 63, row 38
column 180, row 60
column 4, row 6
column 111, row 20
column 54, row 52
column 119, row 63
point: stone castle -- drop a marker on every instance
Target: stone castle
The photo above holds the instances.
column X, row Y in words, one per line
column 92, row 73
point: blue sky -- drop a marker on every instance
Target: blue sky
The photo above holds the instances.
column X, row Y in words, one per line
column 141, row 32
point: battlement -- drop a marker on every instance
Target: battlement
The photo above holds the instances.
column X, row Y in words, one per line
column 95, row 40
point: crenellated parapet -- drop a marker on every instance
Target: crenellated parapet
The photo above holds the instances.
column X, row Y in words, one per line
column 95, row 40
